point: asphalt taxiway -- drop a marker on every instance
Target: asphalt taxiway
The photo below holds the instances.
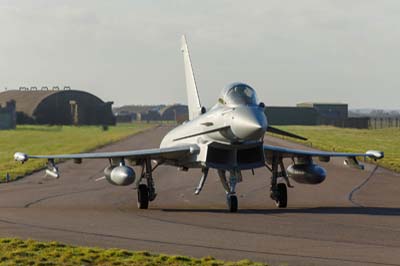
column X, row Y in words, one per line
column 320, row 226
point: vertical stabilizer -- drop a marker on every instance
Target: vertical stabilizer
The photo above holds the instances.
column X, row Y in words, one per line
column 192, row 93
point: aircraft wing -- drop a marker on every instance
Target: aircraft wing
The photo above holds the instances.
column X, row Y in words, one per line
column 282, row 152
column 173, row 153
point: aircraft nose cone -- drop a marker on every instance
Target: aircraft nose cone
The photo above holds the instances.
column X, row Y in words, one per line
column 249, row 123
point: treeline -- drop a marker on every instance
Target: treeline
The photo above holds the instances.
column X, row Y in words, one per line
column 376, row 113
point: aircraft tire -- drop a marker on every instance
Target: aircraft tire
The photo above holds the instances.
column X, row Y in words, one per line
column 282, row 198
column 232, row 203
column 143, row 197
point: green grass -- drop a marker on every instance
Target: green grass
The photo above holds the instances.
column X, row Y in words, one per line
column 353, row 140
column 30, row 252
column 53, row 140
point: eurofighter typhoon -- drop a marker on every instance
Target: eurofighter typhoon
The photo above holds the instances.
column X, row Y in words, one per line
column 229, row 138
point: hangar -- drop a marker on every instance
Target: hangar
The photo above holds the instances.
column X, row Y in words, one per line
column 176, row 112
column 129, row 113
column 59, row 107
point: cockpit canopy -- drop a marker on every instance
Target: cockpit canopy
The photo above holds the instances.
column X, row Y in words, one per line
column 238, row 94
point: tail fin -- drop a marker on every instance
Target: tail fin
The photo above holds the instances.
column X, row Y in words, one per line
column 192, row 93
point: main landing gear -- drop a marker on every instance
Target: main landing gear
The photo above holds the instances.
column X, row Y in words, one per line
column 280, row 195
column 279, row 190
column 142, row 196
column 146, row 192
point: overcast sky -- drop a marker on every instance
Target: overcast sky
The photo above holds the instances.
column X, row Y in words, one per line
column 129, row 51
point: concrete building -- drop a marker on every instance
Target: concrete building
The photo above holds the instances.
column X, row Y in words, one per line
column 309, row 114
column 283, row 115
column 176, row 112
column 59, row 107
column 329, row 113
column 8, row 117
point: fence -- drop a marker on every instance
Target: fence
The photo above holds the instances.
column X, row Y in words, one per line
column 363, row 122
column 383, row 122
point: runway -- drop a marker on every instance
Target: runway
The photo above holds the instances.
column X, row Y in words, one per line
column 320, row 226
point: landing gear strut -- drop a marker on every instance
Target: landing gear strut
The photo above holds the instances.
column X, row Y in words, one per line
column 230, row 187
column 279, row 190
column 202, row 181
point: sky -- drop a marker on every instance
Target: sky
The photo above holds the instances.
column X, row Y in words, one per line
column 128, row 52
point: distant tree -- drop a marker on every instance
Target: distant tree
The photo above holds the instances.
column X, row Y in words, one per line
column 394, row 113
column 379, row 113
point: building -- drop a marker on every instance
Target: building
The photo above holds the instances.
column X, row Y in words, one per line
column 334, row 114
column 125, row 117
column 129, row 113
column 59, row 107
column 283, row 115
column 176, row 112
column 309, row 114
column 329, row 113
column 8, row 115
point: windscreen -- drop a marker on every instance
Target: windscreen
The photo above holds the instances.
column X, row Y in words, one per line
column 240, row 94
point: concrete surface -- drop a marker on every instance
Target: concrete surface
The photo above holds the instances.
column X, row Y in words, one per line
column 320, row 226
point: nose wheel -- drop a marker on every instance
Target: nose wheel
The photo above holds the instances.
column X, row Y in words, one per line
column 232, row 202
column 230, row 187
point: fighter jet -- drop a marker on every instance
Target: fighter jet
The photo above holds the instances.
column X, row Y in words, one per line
column 229, row 137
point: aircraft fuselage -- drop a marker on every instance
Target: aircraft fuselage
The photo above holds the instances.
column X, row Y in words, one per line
column 228, row 135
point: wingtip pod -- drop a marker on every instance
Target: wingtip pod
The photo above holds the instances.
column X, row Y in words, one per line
column 21, row 157
column 376, row 155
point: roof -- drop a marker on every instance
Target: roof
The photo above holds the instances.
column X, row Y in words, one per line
column 174, row 107
column 312, row 104
column 288, row 107
column 138, row 108
column 27, row 101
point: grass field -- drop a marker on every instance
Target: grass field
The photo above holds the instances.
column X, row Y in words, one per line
column 53, row 140
column 30, row 252
column 353, row 140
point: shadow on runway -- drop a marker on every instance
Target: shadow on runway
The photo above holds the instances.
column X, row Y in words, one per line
column 378, row 211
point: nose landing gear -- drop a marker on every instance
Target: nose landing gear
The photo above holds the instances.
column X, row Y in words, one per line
column 230, row 187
